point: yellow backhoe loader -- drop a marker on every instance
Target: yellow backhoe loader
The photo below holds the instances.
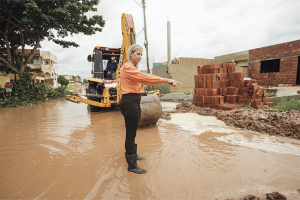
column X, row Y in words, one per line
column 106, row 92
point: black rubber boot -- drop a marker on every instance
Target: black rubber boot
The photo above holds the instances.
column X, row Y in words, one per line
column 135, row 151
column 132, row 166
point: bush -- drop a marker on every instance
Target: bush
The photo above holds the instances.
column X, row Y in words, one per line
column 84, row 81
column 28, row 93
column 62, row 80
column 150, row 88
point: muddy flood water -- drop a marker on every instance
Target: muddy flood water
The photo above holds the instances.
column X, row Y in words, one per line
column 60, row 150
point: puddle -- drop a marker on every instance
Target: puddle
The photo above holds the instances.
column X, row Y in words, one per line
column 264, row 142
column 198, row 124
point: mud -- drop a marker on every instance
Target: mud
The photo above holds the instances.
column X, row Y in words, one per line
column 268, row 196
column 269, row 121
column 60, row 150
column 166, row 115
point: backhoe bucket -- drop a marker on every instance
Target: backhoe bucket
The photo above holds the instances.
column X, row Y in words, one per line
column 151, row 110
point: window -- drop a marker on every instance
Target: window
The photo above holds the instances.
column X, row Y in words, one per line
column 38, row 61
column 269, row 66
column 31, row 61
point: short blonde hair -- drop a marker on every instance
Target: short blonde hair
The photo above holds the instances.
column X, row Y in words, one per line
column 132, row 49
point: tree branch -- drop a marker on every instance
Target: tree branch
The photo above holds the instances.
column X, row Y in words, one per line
column 22, row 44
column 7, row 64
column 16, row 24
column 7, row 44
column 23, row 65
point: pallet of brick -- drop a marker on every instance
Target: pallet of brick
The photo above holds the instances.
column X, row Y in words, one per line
column 219, row 84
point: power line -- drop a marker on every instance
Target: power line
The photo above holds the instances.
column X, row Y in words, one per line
column 179, row 17
column 166, row 12
column 214, row 21
column 120, row 14
column 160, row 16
column 187, row 6
column 189, row 11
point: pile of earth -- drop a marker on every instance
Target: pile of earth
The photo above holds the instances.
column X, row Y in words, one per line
column 270, row 121
column 268, row 196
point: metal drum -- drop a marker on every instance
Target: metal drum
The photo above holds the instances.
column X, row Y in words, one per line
column 151, row 110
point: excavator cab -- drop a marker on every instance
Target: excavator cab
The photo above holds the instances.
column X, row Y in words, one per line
column 101, row 54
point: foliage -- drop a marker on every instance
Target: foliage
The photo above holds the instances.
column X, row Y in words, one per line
column 28, row 93
column 26, row 23
column 74, row 87
column 176, row 101
column 150, row 88
column 248, row 106
column 84, row 81
column 167, row 92
column 187, row 93
column 62, row 80
column 292, row 104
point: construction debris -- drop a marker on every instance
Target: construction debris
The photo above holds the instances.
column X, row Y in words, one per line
column 218, row 86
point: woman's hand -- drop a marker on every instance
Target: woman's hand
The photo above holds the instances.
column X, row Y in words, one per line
column 173, row 83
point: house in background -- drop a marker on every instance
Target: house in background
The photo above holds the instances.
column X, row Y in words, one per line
column 240, row 59
column 271, row 65
column 183, row 70
column 69, row 77
column 77, row 79
column 276, row 64
column 44, row 67
column 73, row 80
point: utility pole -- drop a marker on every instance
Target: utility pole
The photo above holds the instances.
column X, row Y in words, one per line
column 169, row 42
column 146, row 41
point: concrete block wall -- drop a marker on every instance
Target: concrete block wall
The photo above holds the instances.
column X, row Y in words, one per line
column 288, row 54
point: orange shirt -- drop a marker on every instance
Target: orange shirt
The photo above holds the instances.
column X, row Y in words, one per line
column 132, row 78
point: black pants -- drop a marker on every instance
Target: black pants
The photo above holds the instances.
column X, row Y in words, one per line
column 131, row 110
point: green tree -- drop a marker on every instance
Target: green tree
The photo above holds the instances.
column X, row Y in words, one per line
column 28, row 22
column 84, row 81
column 62, row 80
column 66, row 82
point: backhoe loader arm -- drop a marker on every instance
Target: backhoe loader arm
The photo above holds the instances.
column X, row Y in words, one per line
column 128, row 33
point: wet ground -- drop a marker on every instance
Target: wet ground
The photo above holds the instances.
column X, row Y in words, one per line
column 59, row 150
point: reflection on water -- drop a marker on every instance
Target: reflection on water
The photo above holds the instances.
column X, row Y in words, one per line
column 59, row 150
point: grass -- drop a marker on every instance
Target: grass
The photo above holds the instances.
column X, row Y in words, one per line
column 175, row 101
column 248, row 106
column 72, row 87
column 168, row 92
column 292, row 104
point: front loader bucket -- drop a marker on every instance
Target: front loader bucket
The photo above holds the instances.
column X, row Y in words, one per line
column 151, row 110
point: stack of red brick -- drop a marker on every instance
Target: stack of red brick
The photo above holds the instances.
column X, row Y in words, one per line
column 218, row 86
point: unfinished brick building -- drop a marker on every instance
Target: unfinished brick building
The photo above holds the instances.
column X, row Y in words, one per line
column 276, row 64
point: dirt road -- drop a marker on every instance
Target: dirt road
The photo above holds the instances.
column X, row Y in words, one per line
column 59, row 150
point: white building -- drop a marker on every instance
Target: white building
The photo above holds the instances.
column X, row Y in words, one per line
column 44, row 64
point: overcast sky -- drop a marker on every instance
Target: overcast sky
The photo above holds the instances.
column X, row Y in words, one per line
column 199, row 29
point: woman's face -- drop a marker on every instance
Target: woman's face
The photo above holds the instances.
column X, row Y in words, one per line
column 136, row 56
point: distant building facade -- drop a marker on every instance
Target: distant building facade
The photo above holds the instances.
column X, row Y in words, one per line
column 183, row 70
column 73, row 79
column 271, row 65
column 276, row 64
column 44, row 65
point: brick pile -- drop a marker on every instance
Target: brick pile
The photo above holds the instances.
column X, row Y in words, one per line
column 218, row 86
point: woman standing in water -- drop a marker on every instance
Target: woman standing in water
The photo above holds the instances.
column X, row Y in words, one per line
column 131, row 80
